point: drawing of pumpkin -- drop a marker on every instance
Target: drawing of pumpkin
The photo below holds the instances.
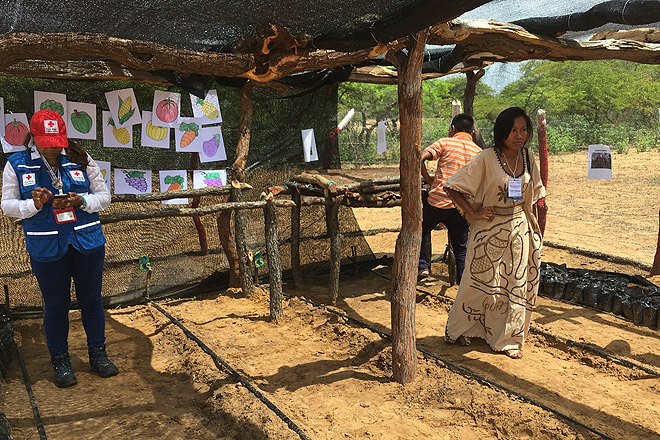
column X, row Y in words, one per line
column 15, row 132
column 121, row 134
column 156, row 133
column 81, row 121
column 167, row 110
column 51, row 104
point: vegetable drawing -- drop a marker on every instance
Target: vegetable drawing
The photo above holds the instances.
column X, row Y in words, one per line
column 174, row 182
column 136, row 180
column 81, row 121
column 209, row 109
column 167, row 110
column 121, row 134
column 191, row 130
column 51, row 104
column 156, row 133
column 210, row 147
column 103, row 171
column 213, row 179
column 15, row 132
column 125, row 110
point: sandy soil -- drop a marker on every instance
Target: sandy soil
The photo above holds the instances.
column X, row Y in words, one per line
column 332, row 378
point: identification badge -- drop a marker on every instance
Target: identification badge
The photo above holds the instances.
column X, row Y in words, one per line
column 66, row 215
column 77, row 175
column 515, row 188
column 29, row 179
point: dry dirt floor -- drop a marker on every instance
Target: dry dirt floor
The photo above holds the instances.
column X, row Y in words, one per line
column 332, row 378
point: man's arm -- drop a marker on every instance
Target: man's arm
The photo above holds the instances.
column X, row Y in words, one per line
column 426, row 155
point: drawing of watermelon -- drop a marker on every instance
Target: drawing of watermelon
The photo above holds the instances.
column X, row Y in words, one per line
column 213, row 179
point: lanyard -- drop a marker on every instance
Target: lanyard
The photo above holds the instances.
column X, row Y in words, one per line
column 54, row 174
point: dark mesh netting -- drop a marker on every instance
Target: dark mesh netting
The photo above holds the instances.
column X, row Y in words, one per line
column 172, row 243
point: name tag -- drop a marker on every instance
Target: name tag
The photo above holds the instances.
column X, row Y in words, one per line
column 77, row 175
column 64, row 215
column 29, row 179
column 515, row 189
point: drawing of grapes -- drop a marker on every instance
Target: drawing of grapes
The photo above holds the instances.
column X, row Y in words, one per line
column 212, row 179
column 135, row 179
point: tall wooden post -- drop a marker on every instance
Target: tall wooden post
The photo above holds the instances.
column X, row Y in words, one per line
column 201, row 231
column 227, row 241
column 295, row 239
column 273, row 253
column 332, row 225
column 244, row 263
column 472, row 79
column 404, row 268
column 541, row 206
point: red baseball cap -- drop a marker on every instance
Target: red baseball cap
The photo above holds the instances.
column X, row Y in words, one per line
column 48, row 129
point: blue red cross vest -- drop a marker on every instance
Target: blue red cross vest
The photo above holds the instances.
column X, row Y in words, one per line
column 45, row 240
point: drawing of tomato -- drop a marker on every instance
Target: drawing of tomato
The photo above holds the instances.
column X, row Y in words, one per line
column 167, row 110
column 15, row 132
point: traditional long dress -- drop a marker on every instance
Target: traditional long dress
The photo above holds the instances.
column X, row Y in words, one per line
column 502, row 268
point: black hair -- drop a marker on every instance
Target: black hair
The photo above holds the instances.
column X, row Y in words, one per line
column 75, row 153
column 504, row 124
column 463, row 122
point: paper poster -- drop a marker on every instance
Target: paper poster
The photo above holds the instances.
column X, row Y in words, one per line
column 204, row 178
column 114, row 137
column 153, row 136
column 187, row 135
column 16, row 128
column 166, row 108
column 208, row 109
column 123, row 107
column 105, row 172
column 172, row 180
column 213, row 146
column 50, row 101
column 600, row 162
column 309, row 145
column 80, row 120
column 382, row 145
column 129, row 181
column 2, row 112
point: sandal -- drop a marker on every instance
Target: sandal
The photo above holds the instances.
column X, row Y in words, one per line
column 514, row 353
column 463, row 341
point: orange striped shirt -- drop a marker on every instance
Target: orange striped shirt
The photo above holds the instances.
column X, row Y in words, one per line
column 452, row 154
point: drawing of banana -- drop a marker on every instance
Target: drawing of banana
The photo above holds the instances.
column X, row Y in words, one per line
column 121, row 134
column 209, row 109
column 125, row 110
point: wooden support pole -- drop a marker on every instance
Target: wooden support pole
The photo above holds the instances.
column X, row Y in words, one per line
column 273, row 253
column 332, row 225
column 406, row 255
column 295, row 239
column 472, row 78
column 201, row 231
column 655, row 269
column 227, row 241
column 158, row 196
column 244, row 264
column 541, row 206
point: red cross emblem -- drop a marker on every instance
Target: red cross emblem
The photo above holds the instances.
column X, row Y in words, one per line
column 50, row 126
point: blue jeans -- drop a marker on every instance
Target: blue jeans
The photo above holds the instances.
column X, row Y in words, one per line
column 54, row 280
column 457, row 227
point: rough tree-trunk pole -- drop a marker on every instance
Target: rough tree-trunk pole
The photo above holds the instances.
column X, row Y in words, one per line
column 542, row 208
column 655, row 269
column 201, row 232
column 332, row 225
column 273, row 253
column 244, row 263
column 471, row 90
column 404, row 268
column 227, row 241
column 295, row 239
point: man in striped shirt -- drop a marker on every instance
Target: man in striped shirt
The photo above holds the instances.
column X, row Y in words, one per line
column 452, row 153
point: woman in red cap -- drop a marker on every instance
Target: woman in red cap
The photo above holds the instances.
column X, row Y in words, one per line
column 57, row 190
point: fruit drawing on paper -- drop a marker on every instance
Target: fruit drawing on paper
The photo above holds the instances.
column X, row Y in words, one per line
column 212, row 178
column 190, row 132
column 208, row 109
column 51, row 104
column 126, row 110
column 103, row 172
column 175, row 182
column 156, row 133
column 167, row 110
column 135, row 179
column 15, row 132
column 210, row 147
column 121, row 134
column 81, row 121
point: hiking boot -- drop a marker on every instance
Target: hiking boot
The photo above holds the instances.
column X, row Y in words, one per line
column 100, row 364
column 424, row 273
column 64, row 376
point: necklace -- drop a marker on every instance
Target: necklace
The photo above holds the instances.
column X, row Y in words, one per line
column 515, row 164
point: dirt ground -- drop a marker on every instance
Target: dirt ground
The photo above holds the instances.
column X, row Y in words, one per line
column 332, row 378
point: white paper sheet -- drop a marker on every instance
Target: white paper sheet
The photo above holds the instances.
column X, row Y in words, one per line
column 169, row 181
column 382, row 144
column 80, row 115
column 309, row 145
column 600, row 162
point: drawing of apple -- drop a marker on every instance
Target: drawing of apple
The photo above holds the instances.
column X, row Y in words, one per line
column 210, row 147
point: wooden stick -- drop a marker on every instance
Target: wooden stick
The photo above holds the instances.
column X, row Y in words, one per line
column 244, row 265
column 153, row 197
column 380, row 188
column 274, row 269
column 295, row 239
column 332, row 225
column 227, row 241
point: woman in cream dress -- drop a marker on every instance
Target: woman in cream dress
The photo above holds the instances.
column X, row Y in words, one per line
column 497, row 192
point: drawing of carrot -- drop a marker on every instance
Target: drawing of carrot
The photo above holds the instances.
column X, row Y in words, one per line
column 191, row 130
column 174, row 182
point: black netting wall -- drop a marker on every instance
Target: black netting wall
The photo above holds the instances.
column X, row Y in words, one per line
column 172, row 244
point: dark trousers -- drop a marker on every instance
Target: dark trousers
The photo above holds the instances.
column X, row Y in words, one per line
column 458, row 234
column 54, row 280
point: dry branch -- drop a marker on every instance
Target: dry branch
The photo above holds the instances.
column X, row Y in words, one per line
column 208, row 191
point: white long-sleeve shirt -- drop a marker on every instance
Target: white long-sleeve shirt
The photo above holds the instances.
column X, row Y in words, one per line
column 12, row 205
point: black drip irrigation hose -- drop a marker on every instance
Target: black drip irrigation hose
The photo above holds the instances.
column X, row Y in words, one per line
column 535, row 329
column 33, row 402
column 457, row 367
column 218, row 360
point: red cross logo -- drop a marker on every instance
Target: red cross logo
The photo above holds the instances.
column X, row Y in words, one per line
column 50, row 126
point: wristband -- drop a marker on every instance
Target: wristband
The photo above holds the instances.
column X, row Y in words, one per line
column 84, row 203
